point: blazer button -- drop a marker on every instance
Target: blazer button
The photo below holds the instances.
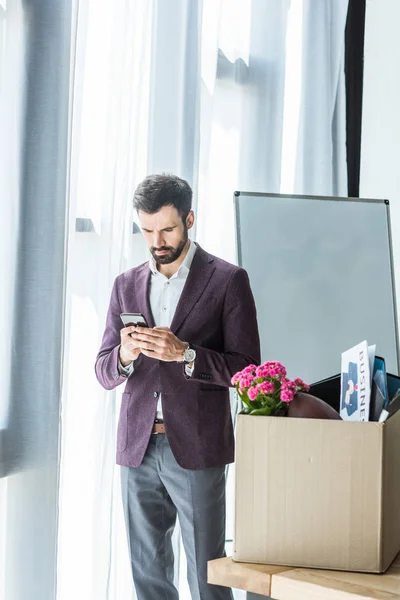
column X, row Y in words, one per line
column 155, row 394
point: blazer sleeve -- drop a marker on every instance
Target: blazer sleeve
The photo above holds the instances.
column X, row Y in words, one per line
column 240, row 335
column 106, row 365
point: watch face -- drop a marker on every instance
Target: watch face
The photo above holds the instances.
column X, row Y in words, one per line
column 190, row 355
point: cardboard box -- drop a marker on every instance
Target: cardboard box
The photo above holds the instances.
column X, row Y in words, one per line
column 317, row 493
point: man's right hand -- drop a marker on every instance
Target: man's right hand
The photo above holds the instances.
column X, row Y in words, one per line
column 129, row 349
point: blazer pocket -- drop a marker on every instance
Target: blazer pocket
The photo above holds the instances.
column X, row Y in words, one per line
column 213, row 388
column 122, row 433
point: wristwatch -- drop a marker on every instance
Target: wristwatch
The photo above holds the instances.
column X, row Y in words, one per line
column 189, row 355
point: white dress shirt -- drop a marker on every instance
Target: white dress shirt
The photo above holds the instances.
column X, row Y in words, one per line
column 164, row 297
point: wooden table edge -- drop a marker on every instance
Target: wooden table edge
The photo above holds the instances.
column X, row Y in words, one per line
column 251, row 577
column 262, row 579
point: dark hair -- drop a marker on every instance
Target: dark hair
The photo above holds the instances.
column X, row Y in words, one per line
column 157, row 191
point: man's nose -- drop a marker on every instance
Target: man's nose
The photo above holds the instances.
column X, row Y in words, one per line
column 157, row 240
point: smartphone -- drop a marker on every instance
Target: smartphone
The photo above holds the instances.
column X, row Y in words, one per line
column 130, row 319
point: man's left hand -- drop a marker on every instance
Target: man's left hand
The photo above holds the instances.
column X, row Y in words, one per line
column 160, row 343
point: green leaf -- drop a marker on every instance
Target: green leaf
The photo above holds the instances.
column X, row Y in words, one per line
column 245, row 399
column 262, row 412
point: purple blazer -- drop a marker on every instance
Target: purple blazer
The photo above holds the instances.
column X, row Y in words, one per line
column 217, row 315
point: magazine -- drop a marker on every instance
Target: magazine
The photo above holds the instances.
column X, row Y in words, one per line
column 356, row 379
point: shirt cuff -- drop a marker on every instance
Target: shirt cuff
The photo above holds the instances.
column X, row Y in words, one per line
column 189, row 370
column 125, row 371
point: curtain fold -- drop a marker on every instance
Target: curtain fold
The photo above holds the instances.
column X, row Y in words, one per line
column 272, row 106
column 34, row 141
column 110, row 124
column 174, row 125
column 321, row 153
column 242, row 103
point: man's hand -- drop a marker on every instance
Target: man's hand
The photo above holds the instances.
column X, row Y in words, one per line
column 130, row 345
column 160, row 343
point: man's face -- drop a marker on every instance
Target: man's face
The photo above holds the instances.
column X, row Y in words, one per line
column 165, row 233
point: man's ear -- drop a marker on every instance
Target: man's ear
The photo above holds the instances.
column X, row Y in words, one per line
column 190, row 220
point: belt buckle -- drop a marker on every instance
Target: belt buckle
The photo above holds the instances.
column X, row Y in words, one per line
column 157, row 422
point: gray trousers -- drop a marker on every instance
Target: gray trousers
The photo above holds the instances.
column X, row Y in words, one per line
column 153, row 495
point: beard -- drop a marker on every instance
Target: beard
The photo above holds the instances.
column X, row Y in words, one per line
column 172, row 253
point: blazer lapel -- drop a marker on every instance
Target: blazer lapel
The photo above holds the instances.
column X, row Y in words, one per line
column 142, row 291
column 198, row 278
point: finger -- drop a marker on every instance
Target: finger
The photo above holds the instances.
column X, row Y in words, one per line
column 128, row 341
column 127, row 338
column 150, row 347
column 159, row 328
column 150, row 354
column 152, row 341
column 131, row 337
column 154, row 333
column 128, row 330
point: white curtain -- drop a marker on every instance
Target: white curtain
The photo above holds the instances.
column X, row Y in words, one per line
column 111, row 100
column 272, row 106
column 35, row 40
column 229, row 94
column 321, row 147
column 134, row 111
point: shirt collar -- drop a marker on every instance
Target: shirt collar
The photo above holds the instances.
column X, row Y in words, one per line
column 186, row 263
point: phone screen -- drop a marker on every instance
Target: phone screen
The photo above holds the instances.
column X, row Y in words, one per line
column 132, row 319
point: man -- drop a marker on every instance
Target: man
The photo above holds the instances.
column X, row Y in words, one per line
column 175, row 432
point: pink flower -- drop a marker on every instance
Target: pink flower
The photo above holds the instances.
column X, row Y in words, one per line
column 262, row 371
column 266, row 387
column 252, row 393
column 267, row 381
column 245, row 381
column 236, row 378
column 279, row 369
column 287, row 395
column 301, row 385
column 271, row 369
column 289, row 385
column 244, row 377
column 250, row 369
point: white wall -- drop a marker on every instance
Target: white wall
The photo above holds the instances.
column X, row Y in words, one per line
column 380, row 145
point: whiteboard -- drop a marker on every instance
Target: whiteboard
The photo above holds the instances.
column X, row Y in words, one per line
column 321, row 272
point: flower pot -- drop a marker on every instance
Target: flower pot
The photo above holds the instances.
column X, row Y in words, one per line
column 307, row 406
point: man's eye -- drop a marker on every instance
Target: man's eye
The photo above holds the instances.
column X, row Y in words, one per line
column 169, row 229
